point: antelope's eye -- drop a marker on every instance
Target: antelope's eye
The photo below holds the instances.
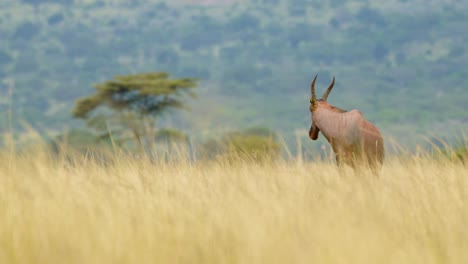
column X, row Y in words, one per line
column 311, row 101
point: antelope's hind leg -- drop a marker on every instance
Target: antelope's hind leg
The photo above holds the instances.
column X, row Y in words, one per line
column 344, row 160
column 375, row 166
column 338, row 160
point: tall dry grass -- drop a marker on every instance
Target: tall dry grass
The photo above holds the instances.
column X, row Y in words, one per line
column 83, row 210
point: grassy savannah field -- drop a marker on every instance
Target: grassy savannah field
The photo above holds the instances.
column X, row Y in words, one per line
column 77, row 209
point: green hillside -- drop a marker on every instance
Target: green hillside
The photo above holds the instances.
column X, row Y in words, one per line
column 402, row 63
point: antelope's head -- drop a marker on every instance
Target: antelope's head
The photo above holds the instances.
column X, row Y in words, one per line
column 316, row 104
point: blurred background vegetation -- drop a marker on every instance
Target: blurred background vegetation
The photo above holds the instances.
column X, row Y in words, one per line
column 401, row 62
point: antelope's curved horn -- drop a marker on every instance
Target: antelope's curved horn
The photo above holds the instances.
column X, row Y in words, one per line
column 327, row 92
column 312, row 90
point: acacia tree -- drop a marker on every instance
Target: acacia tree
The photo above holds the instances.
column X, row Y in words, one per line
column 126, row 107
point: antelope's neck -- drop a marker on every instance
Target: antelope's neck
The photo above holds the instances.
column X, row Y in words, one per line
column 331, row 123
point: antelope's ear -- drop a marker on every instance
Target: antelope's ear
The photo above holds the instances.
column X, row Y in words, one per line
column 313, row 105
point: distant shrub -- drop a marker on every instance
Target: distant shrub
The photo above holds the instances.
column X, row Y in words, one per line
column 170, row 135
column 255, row 144
column 79, row 141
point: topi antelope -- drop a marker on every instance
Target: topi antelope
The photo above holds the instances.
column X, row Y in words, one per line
column 350, row 135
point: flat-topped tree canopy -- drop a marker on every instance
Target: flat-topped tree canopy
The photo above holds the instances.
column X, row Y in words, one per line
column 145, row 93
